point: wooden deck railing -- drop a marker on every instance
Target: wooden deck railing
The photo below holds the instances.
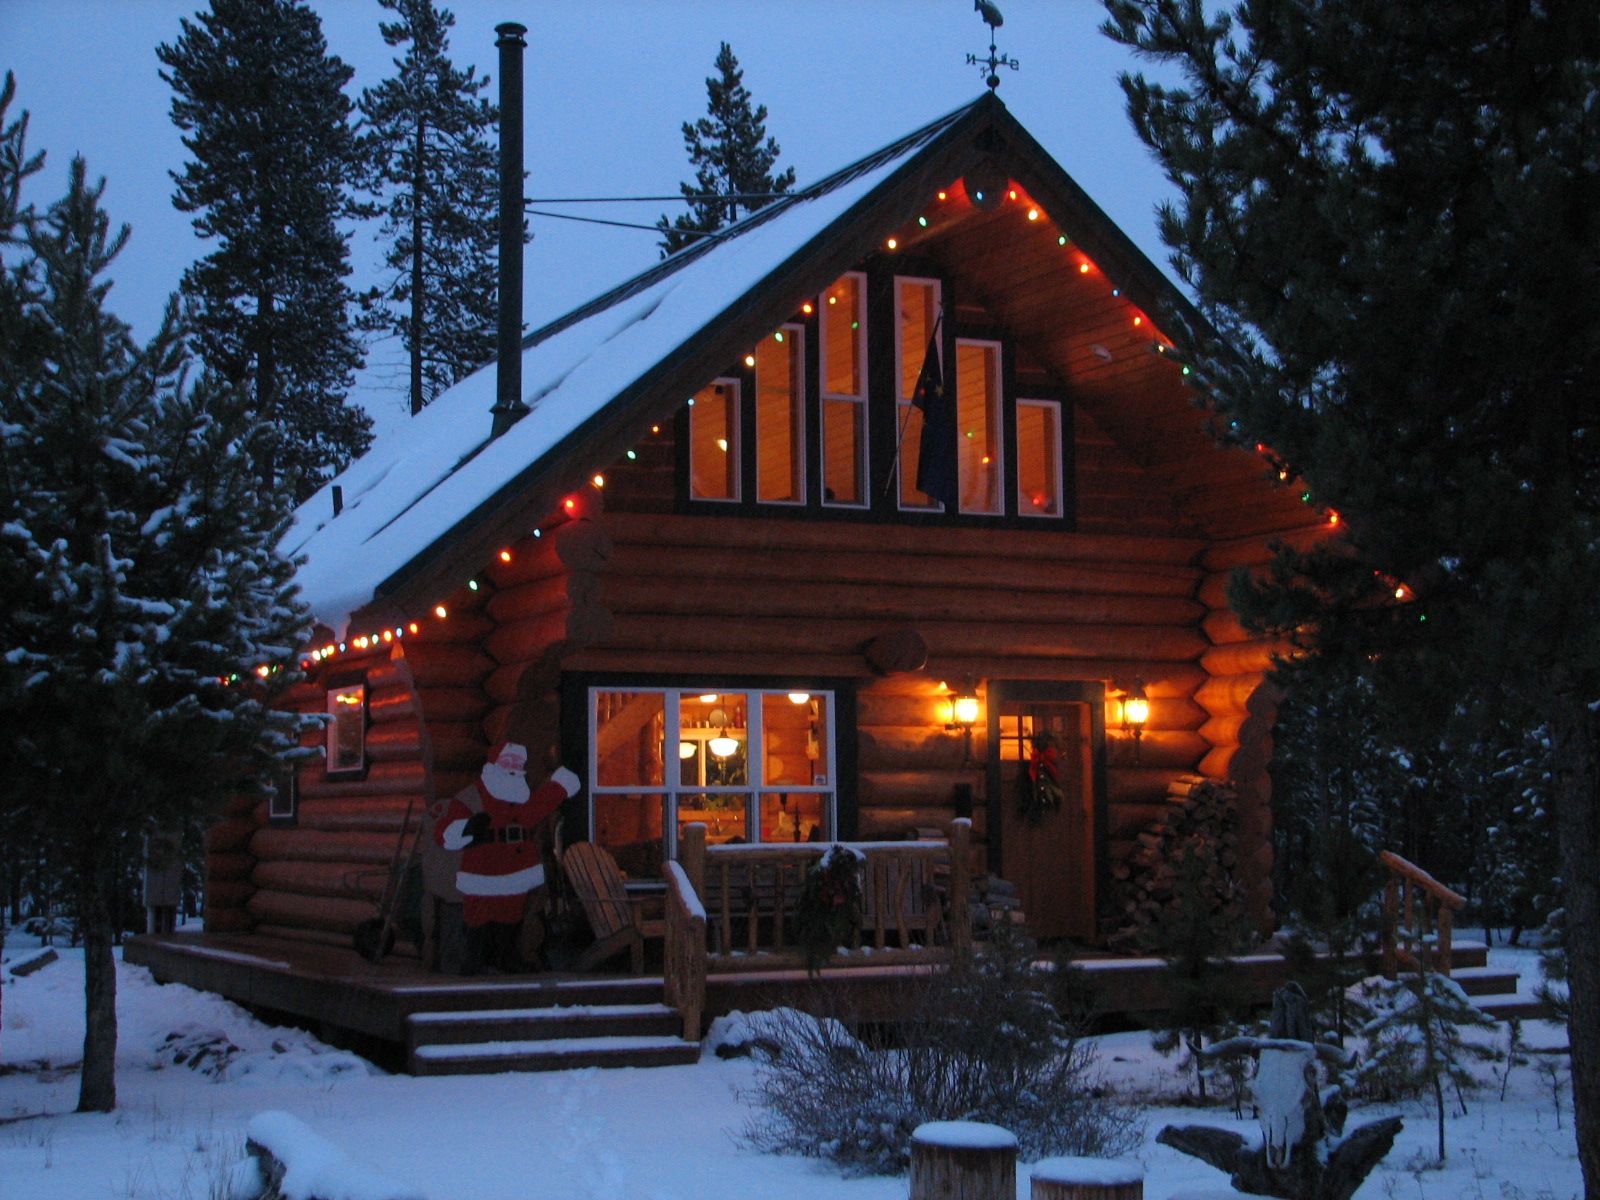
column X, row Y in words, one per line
column 684, row 954
column 914, row 900
column 1418, row 918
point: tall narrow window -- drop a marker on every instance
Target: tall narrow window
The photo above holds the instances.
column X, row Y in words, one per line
column 978, row 444
column 842, row 321
column 714, row 442
column 916, row 303
column 347, row 731
column 780, row 417
column 1039, row 483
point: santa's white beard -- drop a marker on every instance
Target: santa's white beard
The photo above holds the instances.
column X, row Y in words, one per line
column 508, row 786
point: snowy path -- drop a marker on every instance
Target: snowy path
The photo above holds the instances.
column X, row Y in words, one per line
column 658, row 1134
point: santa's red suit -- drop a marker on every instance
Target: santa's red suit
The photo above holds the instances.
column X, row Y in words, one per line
column 494, row 823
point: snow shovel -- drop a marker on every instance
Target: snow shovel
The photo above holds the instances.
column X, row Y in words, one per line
column 374, row 937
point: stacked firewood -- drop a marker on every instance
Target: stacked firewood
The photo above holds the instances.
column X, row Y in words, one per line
column 1200, row 818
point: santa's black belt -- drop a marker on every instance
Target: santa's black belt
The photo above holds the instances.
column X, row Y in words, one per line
column 511, row 833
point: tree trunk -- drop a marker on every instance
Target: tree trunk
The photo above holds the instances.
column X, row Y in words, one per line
column 97, row 1085
column 1578, row 829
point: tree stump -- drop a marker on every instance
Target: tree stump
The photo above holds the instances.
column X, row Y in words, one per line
column 1087, row 1179
column 963, row 1160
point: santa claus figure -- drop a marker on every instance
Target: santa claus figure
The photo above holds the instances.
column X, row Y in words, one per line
column 495, row 824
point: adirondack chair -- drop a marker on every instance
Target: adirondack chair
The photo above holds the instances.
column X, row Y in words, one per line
column 616, row 920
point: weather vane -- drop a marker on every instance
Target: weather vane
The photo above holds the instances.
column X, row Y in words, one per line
column 991, row 65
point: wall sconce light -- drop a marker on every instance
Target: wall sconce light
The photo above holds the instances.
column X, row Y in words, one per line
column 963, row 715
column 1135, row 711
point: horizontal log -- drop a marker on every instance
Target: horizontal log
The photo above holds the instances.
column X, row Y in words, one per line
column 324, row 845
column 452, row 703
column 1243, row 658
column 584, row 545
column 234, row 865
column 1223, row 729
column 437, row 665
column 317, row 937
column 714, row 597
column 1252, row 551
column 530, row 558
column 1137, row 785
column 352, row 881
column 330, row 913
column 458, row 744
column 895, row 822
column 1219, row 761
column 776, row 666
column 886, row 565
column 230, row 834
column 1178, row 749
column 390, row 705
column 1127, row 820
column 526, row 639
column 544, row 595
column 383, row 779
column 1227, row 693
column 1223, row 627
column 908, row 747
column 914, row 789
column 228, row 919
column 394, row 740
column 1150, row 644
column 374, row 814
column 227, row 893
column 468, row 622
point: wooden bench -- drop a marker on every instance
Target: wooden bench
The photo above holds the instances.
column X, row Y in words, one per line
column 616, row 918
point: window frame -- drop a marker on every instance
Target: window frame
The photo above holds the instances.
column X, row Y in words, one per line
column 995, row 406
column 671, row 791
column 799, row 422
column 333, row 685
column 1060, row 407
column 861, row 399
column 735, row 443
column 902, row 419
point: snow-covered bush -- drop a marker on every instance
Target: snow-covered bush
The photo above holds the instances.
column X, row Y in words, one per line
column 983, row 1042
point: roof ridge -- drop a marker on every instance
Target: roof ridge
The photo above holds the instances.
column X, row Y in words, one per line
column 697, row 250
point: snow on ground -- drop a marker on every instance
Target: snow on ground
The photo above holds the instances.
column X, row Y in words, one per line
column 665, row 1133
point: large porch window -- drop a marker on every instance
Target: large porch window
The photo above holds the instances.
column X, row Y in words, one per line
column 755, row 765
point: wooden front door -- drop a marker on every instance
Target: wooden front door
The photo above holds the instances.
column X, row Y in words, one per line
column 1049, row 847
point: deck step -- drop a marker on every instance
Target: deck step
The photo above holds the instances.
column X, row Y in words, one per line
column 1486, row 981
column 475, row 995
column 553, row 1054
column 542, row 1023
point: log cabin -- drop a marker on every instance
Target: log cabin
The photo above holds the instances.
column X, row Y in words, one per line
column 686, row 555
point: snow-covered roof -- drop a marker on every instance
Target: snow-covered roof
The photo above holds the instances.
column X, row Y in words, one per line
column 420, row 480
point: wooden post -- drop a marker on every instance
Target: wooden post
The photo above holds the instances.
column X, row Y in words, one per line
column 692, row 855
column 1391, row 916
column 963, row 1160
column 960, row 885
column 1087, row 1179
column 1447, row 921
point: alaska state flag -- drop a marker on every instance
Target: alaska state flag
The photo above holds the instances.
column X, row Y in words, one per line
column 936, row 455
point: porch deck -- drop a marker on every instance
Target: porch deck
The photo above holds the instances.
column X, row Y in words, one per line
column 367, row 1005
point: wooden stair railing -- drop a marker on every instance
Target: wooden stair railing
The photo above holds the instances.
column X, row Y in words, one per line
column 1418, row 918
column 684, row 954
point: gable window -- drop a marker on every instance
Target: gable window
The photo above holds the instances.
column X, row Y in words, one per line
column 780, row 417
column 842, row 323
column 979, row 457
column 1039, row 482
column 916, row 304
column 753, row 765
column 714, row 445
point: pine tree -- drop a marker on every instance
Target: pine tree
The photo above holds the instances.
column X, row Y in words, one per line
column 266, row 120
column 143, row 583
column 732, row 156
column 435, row 171
column 1392, row 214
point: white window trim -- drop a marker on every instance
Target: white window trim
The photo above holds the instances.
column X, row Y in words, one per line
column 797, row 355
column 735, row 444
column 996, row 403
column 859, row 397
column 901, row 402
column 670, row 792
column 1060, row 454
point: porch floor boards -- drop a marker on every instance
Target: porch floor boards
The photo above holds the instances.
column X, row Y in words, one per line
column 341, row 994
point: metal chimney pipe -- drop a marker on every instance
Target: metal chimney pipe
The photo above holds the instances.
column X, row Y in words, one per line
column 508, row 405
